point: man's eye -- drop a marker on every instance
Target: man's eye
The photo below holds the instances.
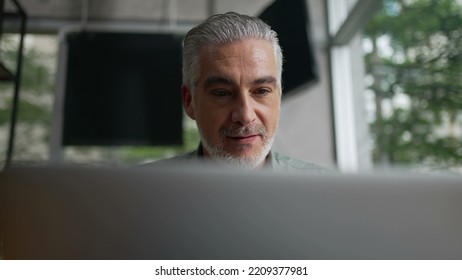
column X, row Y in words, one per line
column 220, row 92
column 262, row 91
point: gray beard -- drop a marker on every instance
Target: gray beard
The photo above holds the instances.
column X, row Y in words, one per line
column 218, row 154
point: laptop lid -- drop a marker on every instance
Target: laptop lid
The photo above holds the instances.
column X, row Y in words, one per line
column 89, row 213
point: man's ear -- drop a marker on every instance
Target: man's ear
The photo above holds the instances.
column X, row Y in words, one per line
column 186, row 98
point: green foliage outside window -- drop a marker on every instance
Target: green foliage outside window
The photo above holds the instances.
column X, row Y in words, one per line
column 416, row 80
column 35, row 103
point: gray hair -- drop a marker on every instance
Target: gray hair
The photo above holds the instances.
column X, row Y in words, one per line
column 224, row 29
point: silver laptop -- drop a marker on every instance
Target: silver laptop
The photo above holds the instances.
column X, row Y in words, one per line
column 184, row 213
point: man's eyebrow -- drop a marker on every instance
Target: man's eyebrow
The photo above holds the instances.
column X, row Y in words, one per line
column 217, row 80
column 264, row 80
column 228, row 81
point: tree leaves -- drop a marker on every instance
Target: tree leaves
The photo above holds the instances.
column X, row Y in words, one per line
column 425, row 65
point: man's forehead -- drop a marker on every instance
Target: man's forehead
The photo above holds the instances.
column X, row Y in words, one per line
column 238, row 54
column 210, row 50
column 252, row 61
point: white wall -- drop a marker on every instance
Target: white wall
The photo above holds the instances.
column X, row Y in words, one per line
column 306, row 126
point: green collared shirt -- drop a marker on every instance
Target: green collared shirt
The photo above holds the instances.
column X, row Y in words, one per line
column 273, row 162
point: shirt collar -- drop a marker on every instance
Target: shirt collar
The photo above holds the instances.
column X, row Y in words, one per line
column 266, row 166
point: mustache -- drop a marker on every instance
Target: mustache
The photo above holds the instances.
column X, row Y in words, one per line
column 244, row 131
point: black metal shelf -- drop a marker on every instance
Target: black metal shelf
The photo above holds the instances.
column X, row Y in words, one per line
column 5, row 74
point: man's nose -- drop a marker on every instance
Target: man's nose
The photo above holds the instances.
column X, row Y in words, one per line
column 243, row 110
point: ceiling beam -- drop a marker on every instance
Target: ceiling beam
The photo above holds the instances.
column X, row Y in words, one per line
column 357, row 18
column 53, row 26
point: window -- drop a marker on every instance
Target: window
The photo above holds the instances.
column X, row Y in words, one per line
column 413, row 55
column 36, row 97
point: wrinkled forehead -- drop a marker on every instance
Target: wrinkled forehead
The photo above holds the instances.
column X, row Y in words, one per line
column 248, row 52
column 252, row 56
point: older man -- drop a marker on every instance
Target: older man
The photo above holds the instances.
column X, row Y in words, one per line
column 232, row 67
